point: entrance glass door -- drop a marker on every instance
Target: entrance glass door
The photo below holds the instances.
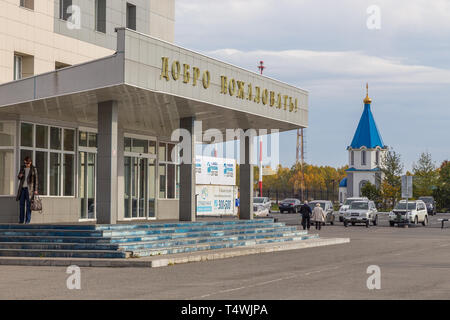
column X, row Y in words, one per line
column 139, row 187
column 87, row 184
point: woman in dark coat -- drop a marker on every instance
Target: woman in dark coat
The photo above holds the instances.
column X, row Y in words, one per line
column 28, row 187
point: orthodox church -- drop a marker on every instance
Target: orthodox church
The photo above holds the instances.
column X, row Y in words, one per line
column 364, row 155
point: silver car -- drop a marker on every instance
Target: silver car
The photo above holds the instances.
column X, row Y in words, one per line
column 361, row 212
column 327, row 207
column 262, row 206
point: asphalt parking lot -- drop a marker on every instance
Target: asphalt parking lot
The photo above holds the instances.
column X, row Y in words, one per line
column 414, row 263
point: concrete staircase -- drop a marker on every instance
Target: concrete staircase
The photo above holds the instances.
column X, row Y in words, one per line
column 140, row 240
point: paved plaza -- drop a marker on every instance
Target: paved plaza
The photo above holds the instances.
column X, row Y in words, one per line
column 414, row 264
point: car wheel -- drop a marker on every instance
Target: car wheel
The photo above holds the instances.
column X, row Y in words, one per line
column 341, row 219
column 425, row 221
column 375, row 221
column 416, row 220
column 281, row 211
column 345, row 224
column 391, row 223
column 353, row 223
column 367, row 223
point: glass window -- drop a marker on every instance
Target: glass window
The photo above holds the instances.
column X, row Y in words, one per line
column 7, row 134
column 42, row 137
column 152, row 147
column 69, row 140
column 131, row 16
column 140, row 146
column 7, row 172
column 24, row 154
column 162, row 181
column 162, row 152
column 55, row 138
column 170, row 149
column 26, row 135
column 363, row 157
column 92, row 140
column 69, row 170
column 41, row 166
column 352, row 158
column 17, row 67
column 55, row 174
column 100, row 15
column 171, row 181
column 127, row 144
column 29, row 4
column 83, row 139
column 63, row 9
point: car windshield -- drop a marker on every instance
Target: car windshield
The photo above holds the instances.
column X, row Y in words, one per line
column 359, row 205
column 258, row 200
column 312, row 205
column 349, row 201
column 426, row 199
column 289, row 200
column 402, row 206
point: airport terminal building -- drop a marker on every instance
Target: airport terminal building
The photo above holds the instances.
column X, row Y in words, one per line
column 94, row 100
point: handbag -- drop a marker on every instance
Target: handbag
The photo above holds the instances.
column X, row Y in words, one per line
column 36, row 203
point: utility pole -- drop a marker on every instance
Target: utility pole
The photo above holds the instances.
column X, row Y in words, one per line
column 300, row 158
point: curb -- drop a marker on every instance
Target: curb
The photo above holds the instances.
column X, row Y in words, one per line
column 157, row 262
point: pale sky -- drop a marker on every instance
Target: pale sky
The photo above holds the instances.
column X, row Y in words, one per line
column 325, row 47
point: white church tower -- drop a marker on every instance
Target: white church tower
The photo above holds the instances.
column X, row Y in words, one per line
column 365, row 155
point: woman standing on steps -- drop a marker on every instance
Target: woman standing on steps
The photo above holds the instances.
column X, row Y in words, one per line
column 28, row 187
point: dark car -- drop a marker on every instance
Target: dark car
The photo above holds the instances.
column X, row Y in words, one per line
column 430, row 203
column 290, row 205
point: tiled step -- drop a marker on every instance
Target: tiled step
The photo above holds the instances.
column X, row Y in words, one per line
column 119, row 227
column 170, row 236
column 220, row 245
column 187, row 229
column 50, row 232
column 59, row 246
column 55, row 239
column 193, row 241
column 86, row 227
column 63, row 253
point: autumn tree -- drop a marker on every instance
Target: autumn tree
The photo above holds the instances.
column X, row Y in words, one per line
column 392, row 167
column 442, row 191
column 425, row 176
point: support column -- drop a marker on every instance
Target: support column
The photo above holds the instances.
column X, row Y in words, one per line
column 187, row 205
column 246, row 179
column 107, row 155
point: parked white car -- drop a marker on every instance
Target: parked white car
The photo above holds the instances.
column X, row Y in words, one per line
column 415, row 213
column 343, row 209
column 361, row 212
column 261, row 206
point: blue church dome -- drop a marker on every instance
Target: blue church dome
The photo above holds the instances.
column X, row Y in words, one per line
column 367, row 134
column 343, row 183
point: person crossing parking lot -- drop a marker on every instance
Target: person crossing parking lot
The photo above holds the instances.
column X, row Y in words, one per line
column 306, row 212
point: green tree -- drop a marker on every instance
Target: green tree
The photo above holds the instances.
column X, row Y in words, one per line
column 425, row 176
column 442, row 191
column 372, row 192
column 392, row 167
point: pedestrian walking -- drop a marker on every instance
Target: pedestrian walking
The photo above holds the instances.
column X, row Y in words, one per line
column 318, row 216
column 28, row 187
column 306, row 212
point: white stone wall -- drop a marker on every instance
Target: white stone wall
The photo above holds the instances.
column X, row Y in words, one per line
column 31, row 32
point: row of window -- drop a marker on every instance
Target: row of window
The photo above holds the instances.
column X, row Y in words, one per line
column 53, row 152
column 364, row 158
column 24, row 65
column 65, row 13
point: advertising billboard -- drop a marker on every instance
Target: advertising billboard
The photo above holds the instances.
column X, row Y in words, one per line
column 215, row 171
column 216, row 200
